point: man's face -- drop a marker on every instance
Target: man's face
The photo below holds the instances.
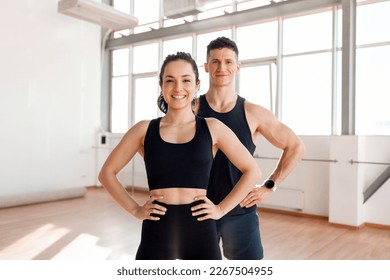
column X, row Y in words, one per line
column 222, row 67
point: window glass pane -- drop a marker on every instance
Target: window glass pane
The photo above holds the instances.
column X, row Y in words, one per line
column 338, row 101
column 145, row 58
column 251, row 4
column 173, row 46
column 373, row 91
column 119, row 104
column 122, row 5
column 147, row 11
column 204, row 80
column 267, row 43
column 204, row 40
column 208, row 5
column 255, row 85
column 339, row 28
column 372, row 23
column 307, row 94
column 120, row 62
column 307, row 33
column 145, row 101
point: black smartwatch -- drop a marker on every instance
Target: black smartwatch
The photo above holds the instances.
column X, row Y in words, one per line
column 270, row 184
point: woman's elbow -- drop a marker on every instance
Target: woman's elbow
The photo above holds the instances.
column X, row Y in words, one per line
column 255, row 171
column 103, row 176
column 300, row 149
column 258, row 173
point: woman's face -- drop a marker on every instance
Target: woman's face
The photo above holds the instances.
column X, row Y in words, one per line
column 179, row 84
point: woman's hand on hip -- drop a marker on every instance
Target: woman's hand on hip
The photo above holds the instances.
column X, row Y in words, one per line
column 145, row 212
column 206, row 210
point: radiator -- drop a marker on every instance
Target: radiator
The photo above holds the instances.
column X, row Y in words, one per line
column 285, row 198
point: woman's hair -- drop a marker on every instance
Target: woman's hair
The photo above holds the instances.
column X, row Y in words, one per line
column 162, row 105
column 220, row 43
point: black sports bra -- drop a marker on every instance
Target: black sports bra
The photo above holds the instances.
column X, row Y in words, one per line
column 182, row 165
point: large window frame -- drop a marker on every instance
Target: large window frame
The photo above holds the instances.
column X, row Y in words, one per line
column 277, row 96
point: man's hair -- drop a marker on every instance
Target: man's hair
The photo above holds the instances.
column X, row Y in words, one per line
column 220, row 43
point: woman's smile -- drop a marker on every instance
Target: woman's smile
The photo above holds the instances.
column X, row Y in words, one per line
column 179, row 96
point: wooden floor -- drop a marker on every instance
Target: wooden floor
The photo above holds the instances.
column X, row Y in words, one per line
column 95, row 228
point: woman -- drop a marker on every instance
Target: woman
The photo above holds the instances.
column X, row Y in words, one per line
column 178, row 149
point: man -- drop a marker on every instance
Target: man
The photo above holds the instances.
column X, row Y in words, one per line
column 239, row 229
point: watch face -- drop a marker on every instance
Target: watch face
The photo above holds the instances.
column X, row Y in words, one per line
column 269, row 184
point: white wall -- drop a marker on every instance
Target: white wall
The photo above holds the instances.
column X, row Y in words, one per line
column 49, row 98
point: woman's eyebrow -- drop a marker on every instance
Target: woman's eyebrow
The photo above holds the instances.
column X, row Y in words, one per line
column 172, row 77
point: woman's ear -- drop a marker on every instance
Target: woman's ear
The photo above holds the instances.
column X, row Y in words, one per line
column 197, row 87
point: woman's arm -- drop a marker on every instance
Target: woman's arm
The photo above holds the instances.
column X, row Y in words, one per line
column 225, row 140
column 130, row 144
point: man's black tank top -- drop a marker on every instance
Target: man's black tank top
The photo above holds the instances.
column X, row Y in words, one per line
column 182, row 165
column 224, row 175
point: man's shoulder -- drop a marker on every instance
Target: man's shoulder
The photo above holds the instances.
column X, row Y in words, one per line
column 257, row 115
column 250, row 106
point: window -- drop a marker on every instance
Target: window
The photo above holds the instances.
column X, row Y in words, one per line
column 204, row 80
column 307, row 94
column 145, row 58
column 122, row 5
column 372, row 69
column 373, row 91
column 120, row 62
column 120, row 90
column 147, row 11
column 258, row 83
column 307, row 33
column 245, row 5
column 148, row 15
column 146, row 91
column 266, row 44
column 372, row 22
column 173, row 46
column 310, row 94
column 120, row 104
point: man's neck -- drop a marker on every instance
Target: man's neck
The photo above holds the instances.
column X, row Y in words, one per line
column 221, row 99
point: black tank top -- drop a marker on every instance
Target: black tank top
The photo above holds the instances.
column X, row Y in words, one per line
column 224, row 175
column 183, row 165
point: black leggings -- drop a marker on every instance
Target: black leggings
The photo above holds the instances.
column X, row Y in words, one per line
column 178, row 235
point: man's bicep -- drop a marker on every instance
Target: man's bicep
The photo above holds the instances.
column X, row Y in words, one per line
column 277, row 133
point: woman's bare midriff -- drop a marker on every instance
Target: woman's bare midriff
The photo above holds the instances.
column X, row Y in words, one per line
column 178, row 195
